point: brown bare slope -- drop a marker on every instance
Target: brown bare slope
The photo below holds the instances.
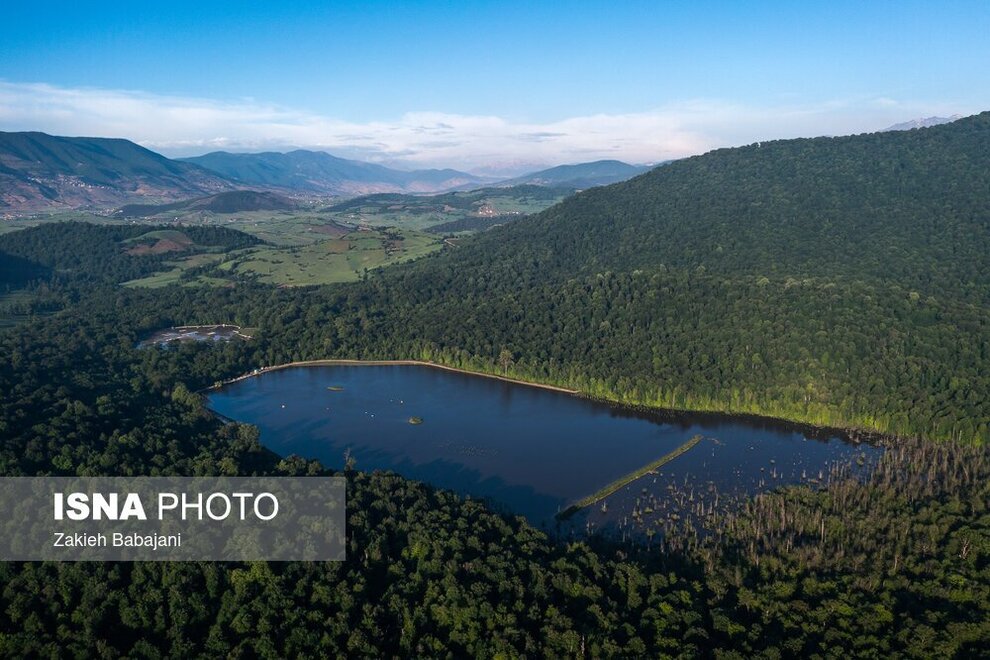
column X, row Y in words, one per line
column 45, row 172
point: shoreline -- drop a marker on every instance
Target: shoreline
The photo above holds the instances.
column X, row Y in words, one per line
column 388, row 363
column 850, row 435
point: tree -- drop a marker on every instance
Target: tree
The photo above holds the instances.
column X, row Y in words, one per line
column 505, row 360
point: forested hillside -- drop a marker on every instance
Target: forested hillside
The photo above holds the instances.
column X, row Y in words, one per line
column 907, row 208
column 16, row 271
column 839, row 281
column 581, row 175
column 82, row 252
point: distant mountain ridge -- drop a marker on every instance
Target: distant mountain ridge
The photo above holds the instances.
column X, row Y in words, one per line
column 581, row 175
column 924, row 122
column 320, row 172
column 42, row 172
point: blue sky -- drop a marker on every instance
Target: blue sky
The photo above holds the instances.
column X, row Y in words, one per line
column 479, row 84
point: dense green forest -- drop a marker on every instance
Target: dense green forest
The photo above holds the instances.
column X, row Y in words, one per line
column 17, row 271
column 901, row 568
column 83, row 252
column 838, row 281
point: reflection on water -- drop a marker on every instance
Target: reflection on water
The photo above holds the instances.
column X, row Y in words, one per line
column 531, row 451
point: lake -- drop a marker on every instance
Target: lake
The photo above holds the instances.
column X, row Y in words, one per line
column 528, row 450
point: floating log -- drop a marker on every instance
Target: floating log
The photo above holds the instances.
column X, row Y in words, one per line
column 627, row 479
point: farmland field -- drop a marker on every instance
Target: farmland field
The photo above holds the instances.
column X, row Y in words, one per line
column 423, row 212
column 340, row 259
column 300, row 249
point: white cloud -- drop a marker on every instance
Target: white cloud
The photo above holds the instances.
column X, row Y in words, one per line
column 186, row 126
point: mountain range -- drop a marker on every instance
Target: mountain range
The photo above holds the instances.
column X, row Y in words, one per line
column 320, row 172
column 41, row 172
column 924, row 122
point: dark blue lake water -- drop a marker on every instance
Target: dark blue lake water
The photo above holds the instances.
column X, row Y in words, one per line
column 530, row 451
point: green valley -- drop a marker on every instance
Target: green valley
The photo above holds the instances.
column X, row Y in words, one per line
column 486, row 207
column 341, row 259
column 143, row 256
